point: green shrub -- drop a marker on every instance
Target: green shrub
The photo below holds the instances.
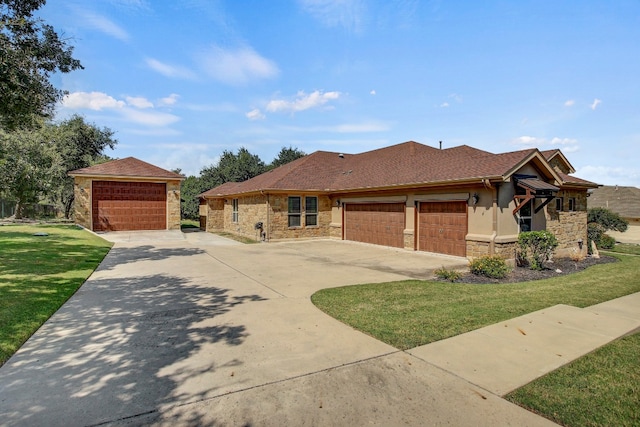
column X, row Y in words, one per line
column 606, row 242
column 536, row 248
column 493, row 266
column 607, row 219
column 448, row 275
column 595, row 232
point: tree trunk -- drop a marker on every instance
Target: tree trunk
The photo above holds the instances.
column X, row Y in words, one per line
column 67, row 207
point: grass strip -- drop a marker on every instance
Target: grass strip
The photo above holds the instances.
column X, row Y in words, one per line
column 599, row 389
column 411, row 313
column 38, row 274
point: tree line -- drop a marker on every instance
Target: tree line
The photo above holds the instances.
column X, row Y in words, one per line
column 232, row 167
column 36, row 153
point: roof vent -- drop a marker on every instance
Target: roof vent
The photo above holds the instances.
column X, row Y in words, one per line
column 341, row 155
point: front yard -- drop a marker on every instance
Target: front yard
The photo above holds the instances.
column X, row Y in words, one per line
column 38, row 274
column 600, row 389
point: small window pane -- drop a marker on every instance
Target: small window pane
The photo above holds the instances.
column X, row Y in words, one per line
column 311, row 204
column 294, row 220
column 311, row 220
column 294, row 204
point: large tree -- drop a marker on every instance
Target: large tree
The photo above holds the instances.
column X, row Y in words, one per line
column 25, row 164
column 189, row 190
column 34, row 162
column 286, row 155
column 232, row 168
column 78, row 144
column 30, row 52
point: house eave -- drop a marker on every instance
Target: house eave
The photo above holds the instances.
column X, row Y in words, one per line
column 125, row 177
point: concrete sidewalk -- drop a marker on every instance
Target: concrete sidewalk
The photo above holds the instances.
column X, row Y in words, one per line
column 503, row 357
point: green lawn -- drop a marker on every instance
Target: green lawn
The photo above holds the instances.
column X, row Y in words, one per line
column 625, row 248
column 599, row 389
column 38, row 274
column 411, row 313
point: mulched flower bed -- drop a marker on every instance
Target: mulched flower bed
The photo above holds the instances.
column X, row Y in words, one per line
column 555, row 268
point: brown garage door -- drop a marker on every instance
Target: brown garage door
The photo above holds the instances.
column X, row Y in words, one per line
column 377, row 223
column 119, row 206
column 442, row 228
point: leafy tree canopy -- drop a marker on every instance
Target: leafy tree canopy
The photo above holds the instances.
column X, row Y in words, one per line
column 607, row 219
column 286, row 155
column 30, row 51
column 233, row 168
column 35, row 162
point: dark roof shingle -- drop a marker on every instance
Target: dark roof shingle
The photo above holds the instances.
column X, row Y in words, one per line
column 406, row 164
column 127, row 167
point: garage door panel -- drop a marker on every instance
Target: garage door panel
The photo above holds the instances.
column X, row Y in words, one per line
column 442, row 228
column 119, row 206
column 376, row 223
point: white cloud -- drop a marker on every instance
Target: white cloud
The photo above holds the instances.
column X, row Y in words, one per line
column 104, row 25
column 527, row 140
column 302, row 101
column 99, row 101
column 91, row 100
column 569, row 103
column 169, row 100
column 373, row 92
column 149, row 118
column 239, row 66
column 139, row 102
column 255, row 114
column 608, row 175
column 568, row 145
column 348, row 14
column 444, row 104
column 595, row 104
column 169, row 70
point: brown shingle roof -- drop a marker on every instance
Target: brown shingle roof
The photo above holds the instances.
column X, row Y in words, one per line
column 625, row 201
column 128, row 167
column 405, row 164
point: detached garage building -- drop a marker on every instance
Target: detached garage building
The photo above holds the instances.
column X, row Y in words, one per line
column 126, row 194
column 458, row 201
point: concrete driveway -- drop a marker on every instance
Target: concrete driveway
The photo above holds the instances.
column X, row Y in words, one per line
column 194, row 329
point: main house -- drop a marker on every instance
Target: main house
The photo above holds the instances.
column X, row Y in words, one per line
column 458, row 201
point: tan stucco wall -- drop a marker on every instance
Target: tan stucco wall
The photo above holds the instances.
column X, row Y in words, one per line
column 82, row 200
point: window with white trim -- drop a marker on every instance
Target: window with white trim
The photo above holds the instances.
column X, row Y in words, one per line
column 310, row 211
column 295, row 211
column 234, row 210
column 572, row 204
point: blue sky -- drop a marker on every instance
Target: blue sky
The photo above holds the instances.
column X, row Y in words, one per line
column 180, row 81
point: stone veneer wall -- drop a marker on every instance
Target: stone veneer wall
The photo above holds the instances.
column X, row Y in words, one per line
column 569, row 227
column 82, row 201
column 476, row 249
column 214, row 213
column 173, row 205
column 279, row 220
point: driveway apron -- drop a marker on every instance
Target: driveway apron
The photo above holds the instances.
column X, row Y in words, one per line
column 198, row 330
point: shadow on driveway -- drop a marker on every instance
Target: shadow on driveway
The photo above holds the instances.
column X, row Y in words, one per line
column 101, row 357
